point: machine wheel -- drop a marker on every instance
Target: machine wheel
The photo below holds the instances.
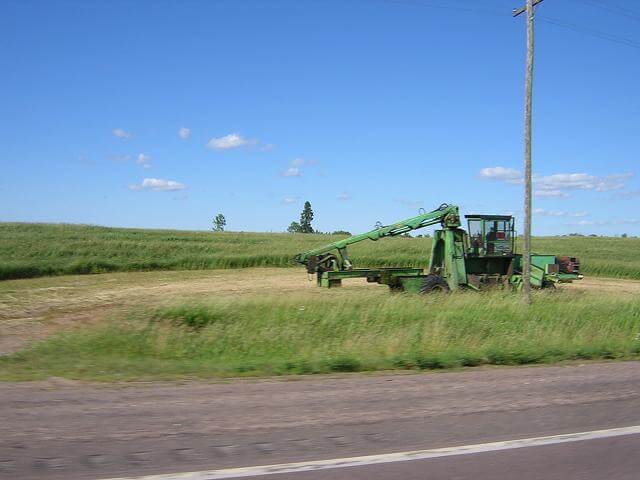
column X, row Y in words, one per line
column 549, row 286
column 434, row 283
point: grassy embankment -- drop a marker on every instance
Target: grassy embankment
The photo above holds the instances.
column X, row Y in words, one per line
column 32, row 250
column 361, row 330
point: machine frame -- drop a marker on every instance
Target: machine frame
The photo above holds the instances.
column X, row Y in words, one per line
column 488, row 257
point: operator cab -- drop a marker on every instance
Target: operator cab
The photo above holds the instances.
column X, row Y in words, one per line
column 491, row 235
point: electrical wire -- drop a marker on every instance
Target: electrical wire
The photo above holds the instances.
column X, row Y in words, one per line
column 589, row 31
column 550, row 20
column 616, row 10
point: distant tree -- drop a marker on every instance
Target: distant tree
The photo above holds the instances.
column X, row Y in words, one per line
column 624, row 235
column 341, row 232
column 306, row 217
column 294, row 228
column 219, row 222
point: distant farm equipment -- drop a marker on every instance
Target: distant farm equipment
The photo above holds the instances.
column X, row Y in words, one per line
column 482, row 257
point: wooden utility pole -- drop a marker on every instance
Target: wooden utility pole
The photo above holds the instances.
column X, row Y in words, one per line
column 526, row 254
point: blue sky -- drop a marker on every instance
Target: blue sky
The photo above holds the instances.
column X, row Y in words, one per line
column 162, row 114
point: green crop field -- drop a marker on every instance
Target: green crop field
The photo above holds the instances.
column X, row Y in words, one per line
column 347, row 330
column 32, row 250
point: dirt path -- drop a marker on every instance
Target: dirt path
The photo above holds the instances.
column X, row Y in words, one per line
column 35, row 308
column 607, row 285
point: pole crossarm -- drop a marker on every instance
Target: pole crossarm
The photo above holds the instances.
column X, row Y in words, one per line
column 518, row 11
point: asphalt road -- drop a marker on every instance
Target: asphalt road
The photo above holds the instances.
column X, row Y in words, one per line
column 610, row 459
column 59, row 429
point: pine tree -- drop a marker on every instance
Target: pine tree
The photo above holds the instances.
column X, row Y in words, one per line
column 305, row 218
column 219, row 222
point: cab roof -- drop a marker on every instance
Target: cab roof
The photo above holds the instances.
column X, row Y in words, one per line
column 488, row 217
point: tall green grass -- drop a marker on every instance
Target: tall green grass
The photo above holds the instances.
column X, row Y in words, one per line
column 32, row 250
column 344, row 332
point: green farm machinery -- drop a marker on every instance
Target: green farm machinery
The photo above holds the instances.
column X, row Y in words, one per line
column 484, row 256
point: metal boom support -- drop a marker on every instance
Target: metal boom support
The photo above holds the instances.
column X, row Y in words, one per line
column 447, row 215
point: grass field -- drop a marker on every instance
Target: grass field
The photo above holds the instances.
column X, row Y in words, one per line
column 271, row 321
column 350, row 330
column 32, row 250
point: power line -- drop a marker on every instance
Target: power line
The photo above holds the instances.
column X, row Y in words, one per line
column 590, row 31
column 550, row 20
column 624, row 12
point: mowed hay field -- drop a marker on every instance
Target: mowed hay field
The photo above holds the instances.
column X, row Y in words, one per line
column 33, row 250
column 171, row 304
column 272, row 321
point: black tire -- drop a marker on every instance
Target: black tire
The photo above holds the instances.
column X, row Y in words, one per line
column 434, row 283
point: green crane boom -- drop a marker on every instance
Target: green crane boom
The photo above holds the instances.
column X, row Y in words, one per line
column 323, row 257
column 483, row 257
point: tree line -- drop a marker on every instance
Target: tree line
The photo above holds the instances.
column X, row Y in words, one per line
column 302, row 226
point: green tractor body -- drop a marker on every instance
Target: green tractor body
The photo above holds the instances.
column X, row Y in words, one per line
column 482, row 257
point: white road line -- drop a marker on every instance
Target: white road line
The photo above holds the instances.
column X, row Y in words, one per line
column 389, row 457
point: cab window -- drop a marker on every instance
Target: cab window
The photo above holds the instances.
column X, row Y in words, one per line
column 475, row 233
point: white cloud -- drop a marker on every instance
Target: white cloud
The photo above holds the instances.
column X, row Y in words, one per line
column 551, row 194
column 555, row 213
column 629, row 194
column 582, row 181
column 619, row 176
column 555, row 186
column 605, row 222
column 295, row 167
column 291, row 172
column 143, row 160
column 409, row 203
column 184, row 133
column 344, row 197
column 290, row 200
column 298, row 162
column 120, row 133
column 158, row 185
column 509, row 175
column 228, row 142
column 584, row 222
column 120, row 158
